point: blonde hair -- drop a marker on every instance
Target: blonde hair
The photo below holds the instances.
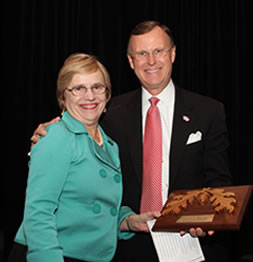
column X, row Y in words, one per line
column 79, row 63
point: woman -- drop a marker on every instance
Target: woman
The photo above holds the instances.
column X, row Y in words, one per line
column 72, row 209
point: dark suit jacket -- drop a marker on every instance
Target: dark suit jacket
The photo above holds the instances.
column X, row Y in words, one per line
column 195, row 165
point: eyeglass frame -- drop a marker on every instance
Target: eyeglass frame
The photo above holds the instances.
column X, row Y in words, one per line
column 86, row 89
column 147, row 54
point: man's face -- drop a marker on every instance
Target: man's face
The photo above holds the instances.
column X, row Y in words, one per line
column 151, row 57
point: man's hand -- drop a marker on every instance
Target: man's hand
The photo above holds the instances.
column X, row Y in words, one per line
column 197, row 232
column 40, row 131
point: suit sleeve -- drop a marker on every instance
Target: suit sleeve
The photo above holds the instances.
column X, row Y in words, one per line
column 215, row 155
column 50, row 160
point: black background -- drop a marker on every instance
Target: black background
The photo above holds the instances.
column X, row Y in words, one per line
column 213, row 39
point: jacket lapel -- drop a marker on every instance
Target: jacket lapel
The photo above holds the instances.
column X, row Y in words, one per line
column 180, row 131
column 134, row 114
column 182, row 124
column 107, row 156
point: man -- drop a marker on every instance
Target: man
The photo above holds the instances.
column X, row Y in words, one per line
column 194, row 136
column 151, row 54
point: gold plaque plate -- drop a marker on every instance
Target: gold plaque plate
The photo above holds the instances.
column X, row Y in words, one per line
column 195, row 219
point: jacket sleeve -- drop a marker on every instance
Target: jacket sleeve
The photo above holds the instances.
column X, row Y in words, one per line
column 124, row 212
column 217, row 171
column 50, row 159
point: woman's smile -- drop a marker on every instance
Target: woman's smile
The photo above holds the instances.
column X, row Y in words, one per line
column 90, row 106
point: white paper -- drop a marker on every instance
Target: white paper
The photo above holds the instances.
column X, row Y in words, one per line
column 173, row 247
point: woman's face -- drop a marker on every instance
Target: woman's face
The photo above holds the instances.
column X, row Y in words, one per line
column 88, row 107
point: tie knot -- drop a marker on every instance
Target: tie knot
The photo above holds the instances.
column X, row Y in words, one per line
column 154, row 100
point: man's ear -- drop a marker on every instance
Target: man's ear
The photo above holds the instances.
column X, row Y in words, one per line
column 131, row 62
column 173, row 54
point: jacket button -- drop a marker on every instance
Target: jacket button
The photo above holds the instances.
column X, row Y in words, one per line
column 102, row 173
column 96, row 208
column 114, row 211
column 117, row 178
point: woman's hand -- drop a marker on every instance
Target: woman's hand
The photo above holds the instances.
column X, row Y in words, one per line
column 138, row 223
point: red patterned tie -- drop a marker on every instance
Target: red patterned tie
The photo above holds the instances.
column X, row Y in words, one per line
column 151, row 198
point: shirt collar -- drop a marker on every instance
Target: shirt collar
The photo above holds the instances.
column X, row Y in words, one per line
column 167, row 93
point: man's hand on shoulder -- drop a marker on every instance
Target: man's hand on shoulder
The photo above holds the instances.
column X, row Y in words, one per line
column 40, row 130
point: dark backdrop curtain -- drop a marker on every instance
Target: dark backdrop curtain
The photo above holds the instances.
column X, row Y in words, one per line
column 213, row 58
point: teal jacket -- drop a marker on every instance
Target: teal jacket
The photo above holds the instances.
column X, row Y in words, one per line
column 73, row 196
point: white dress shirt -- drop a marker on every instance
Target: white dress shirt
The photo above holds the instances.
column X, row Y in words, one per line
column 166, row 107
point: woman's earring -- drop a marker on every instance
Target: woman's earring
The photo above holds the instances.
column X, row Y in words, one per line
column 104, row 111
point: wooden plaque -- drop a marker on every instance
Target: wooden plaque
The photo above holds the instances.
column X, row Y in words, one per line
column 218, row 209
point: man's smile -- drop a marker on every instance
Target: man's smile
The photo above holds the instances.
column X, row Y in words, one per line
column 151, row 71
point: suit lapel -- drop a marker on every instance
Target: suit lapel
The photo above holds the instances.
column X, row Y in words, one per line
column 134, row 115
column 180, row 132
column 182, row 124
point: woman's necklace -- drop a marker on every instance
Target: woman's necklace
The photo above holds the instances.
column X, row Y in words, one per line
column 100, row 142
